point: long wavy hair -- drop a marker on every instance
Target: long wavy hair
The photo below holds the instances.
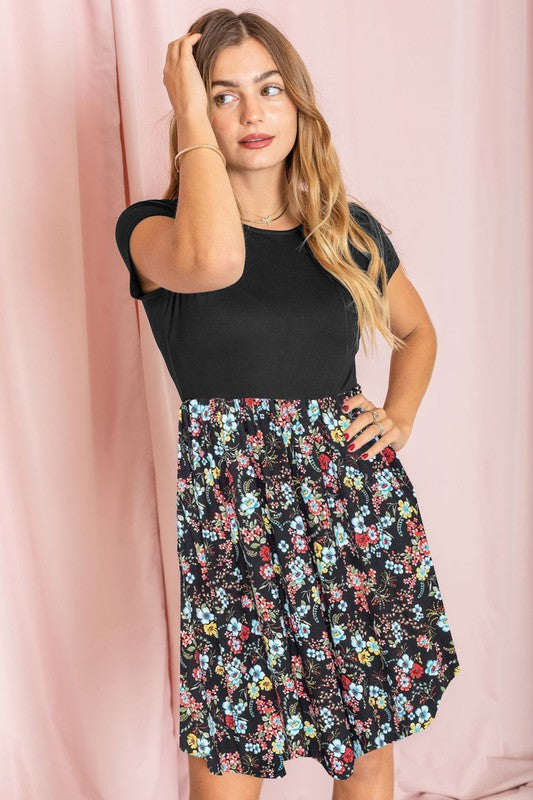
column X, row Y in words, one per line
column 316, row 191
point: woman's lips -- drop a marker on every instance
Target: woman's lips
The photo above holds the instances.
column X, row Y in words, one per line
column 252, row 144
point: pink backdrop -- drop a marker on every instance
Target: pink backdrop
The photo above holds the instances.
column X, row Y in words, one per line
column 430, row 107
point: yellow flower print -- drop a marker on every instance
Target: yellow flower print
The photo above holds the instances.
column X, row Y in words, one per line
column 192, row 741
column 219, row 669
column 265, row 683
column 373, row 646
column 210, row 475
column 356, row 482
column 225, row 435
column 405, row 509
column 277, row 746
column 365, row 657
column 378, row 701
column 309, row 730
column 337, row 434
column 211, row 628
column 253, row 690
column 317, row 547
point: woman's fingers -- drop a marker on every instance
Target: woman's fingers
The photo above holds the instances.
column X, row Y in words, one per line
column 181, row 76
column 364, row 428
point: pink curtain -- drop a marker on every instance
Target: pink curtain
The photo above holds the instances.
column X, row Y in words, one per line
column 430, row 107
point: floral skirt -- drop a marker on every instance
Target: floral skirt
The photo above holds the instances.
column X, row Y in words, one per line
column 311, row 620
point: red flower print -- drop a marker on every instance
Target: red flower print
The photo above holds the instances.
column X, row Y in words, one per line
column 324, row 460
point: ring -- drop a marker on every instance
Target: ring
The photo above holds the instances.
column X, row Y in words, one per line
column 375, row 414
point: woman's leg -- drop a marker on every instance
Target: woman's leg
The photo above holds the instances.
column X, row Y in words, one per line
column 229, row 786
column 372, row 779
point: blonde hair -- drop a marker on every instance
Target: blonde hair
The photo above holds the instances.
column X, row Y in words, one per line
column 316, row 191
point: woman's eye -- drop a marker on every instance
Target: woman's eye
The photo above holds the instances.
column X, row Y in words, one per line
column 272, row 86
column 218, row 98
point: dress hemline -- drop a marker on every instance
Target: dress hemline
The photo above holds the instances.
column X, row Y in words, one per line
column 411, row 728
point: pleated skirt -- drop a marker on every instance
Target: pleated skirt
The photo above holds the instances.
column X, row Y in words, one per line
column 311, row 619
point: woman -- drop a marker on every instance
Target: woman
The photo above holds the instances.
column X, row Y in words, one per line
column 311, row 619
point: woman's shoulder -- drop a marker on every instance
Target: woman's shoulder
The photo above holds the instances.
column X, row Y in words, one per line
column 362, row 215
column 370, row 223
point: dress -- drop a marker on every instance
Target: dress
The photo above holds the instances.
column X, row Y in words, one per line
column 312, row 623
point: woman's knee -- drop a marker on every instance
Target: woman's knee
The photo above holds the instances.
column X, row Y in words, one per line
column 228, row 786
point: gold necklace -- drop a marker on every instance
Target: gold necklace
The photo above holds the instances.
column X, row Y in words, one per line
column 268, row 219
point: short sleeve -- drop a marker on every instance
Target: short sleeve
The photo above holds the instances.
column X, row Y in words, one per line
column 383, row 242
column 124, row 226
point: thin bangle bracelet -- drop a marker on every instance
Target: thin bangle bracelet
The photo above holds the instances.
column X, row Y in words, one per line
column 193, row 146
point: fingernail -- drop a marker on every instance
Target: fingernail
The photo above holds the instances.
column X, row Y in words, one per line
column 346, row 435
column 346, row 407
column 351, row 446
column 364, row 455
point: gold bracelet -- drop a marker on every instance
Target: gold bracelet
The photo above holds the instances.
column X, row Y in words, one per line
column 193, row 146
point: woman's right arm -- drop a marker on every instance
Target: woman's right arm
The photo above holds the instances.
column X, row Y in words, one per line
column 202, row 249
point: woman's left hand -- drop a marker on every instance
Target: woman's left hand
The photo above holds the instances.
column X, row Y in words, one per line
column 363, row 428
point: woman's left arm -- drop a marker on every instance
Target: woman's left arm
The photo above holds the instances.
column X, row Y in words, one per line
column 410, row 368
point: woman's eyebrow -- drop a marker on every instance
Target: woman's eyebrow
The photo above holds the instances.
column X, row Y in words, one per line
column 257, row 79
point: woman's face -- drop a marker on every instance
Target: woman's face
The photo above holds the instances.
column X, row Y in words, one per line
column 240, row 105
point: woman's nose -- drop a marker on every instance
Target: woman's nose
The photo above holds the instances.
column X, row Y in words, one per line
column 251, row 111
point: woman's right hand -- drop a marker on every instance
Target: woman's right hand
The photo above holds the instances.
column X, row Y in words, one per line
column 182, row 78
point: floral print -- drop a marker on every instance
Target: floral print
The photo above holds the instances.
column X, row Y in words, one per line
column 312, row 623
